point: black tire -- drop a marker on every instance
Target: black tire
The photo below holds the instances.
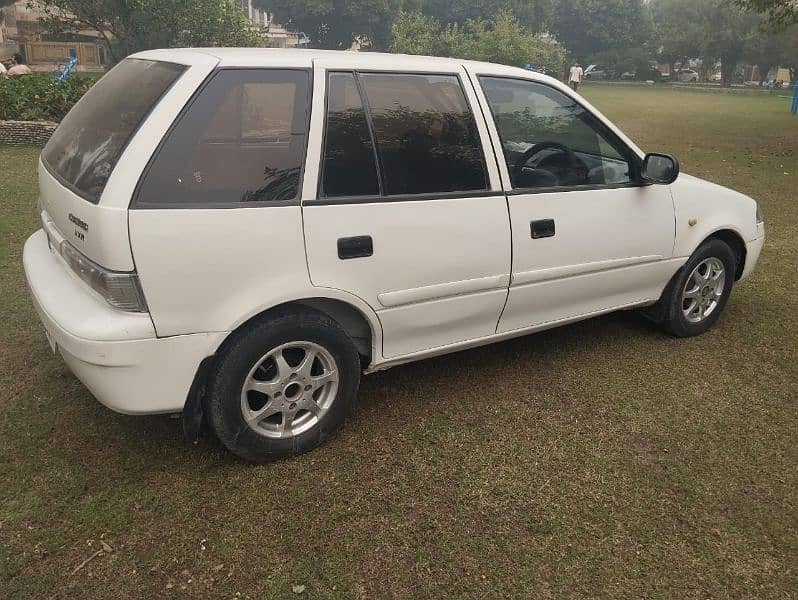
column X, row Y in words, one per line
column 241, row 354
column 673, row 318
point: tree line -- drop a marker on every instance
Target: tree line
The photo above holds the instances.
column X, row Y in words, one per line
column 544, row 33
column 626, row 33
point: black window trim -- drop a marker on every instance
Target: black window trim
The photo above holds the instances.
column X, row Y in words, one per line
column 321, row 200
column 367, row 113
column 369, row 124
column 96, row 201
column 372, row 199
column 616, row 142
column 135, row 204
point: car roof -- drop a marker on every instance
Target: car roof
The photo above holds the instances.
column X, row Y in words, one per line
column 295, row 57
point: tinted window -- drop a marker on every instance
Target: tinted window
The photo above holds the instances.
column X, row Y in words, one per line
column 349, row 167
column 84, row 149
column 549, row 140
column 426, row 136
column 242, row 140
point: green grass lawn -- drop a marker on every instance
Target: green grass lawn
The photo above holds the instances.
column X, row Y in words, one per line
column 600, row 459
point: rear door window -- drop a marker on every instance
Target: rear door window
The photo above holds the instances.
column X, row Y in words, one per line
column 241, row 141
column 426, row 136
column 85, row 148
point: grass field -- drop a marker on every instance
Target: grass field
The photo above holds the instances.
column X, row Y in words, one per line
column 599, row 459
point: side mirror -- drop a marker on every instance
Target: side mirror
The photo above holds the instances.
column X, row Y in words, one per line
column 660, row 168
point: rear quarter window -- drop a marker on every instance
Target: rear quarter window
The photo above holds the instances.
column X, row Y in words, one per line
column 86, row 146
column 241, row 141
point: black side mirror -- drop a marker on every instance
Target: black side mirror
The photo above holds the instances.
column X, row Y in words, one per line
column 660, row 168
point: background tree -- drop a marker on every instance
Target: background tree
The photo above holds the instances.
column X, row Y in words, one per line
column 623, row 60
column 586, row 27
column 336, row 24
column 500, row 40
column 785, row 47
column 790, row 50
column 764, row 50
column 535, row 16
column 416, row 33
column 725, row 29
column 711, row 30
column 128, row 26
column 779, row 14
column 679, row 31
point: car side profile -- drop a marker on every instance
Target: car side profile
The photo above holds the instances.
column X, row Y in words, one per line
column 597, row 72
column 238, row 234
column 687, row 75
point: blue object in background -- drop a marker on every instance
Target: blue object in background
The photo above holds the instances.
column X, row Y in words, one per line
column 794, row 109
column 66, row 68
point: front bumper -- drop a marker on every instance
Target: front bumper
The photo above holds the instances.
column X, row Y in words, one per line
column 115, row 354
column 753, row 248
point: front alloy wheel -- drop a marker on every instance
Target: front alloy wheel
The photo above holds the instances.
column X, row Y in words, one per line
column 703, row 290
column 696, row 295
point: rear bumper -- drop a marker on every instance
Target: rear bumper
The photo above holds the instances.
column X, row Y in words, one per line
column 115, row 354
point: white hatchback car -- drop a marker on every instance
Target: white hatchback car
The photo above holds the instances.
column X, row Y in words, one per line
column 238, row 234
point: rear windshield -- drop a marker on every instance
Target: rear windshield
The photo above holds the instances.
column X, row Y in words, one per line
column 84, row 149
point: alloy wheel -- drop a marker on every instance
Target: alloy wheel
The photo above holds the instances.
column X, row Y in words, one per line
column 703, row 290
column 289, row 389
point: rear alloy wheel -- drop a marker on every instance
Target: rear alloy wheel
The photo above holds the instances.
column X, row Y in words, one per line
column 696, row 296
column 282, row 385
column 289, row 390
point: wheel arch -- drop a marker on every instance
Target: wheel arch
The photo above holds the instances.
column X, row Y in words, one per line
column 736, row 243
column 359, row 322
column 725, row 234
column 355, row 316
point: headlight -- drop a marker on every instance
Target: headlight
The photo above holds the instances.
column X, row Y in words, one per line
column 120, row 289
column 760, row 218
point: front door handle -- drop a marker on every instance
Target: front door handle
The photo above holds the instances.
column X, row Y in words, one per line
column 542, row 228
column 358, row 246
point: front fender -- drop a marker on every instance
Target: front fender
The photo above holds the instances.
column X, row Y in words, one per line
column 703, row 208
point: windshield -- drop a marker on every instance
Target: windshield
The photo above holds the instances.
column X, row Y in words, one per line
column 87, row 144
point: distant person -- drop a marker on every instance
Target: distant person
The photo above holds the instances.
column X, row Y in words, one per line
column 575, row 77
column 18, row 66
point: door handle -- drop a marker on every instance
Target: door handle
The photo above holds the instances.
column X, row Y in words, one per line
column 358, row 246
column 542, row 228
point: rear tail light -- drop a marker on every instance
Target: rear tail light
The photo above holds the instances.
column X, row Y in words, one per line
column 121, row 290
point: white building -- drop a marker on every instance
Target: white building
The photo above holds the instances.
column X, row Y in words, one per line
column 277, row 35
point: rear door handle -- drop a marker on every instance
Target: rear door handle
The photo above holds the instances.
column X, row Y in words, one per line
column 542, row 228
column 358, row 246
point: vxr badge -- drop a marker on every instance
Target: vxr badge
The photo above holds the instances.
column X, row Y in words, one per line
column 79, row 223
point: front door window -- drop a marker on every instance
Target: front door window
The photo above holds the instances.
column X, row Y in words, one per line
column 551, row 141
